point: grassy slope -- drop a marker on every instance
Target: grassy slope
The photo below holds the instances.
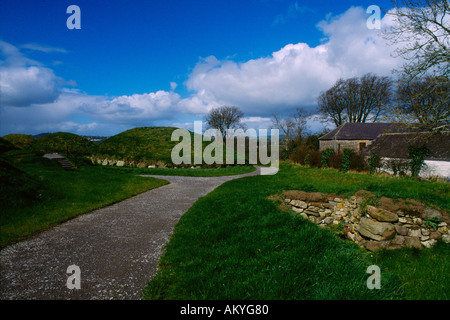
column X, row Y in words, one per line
column 200, row 172
column 59, row 141
column 41, row 194
column 235, row 244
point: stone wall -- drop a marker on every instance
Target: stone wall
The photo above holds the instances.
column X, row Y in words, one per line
column 340, row 145
column 371, row 222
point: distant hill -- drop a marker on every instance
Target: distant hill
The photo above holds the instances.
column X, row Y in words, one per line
column 60, row 142
column 148, row 144
column 22, row 141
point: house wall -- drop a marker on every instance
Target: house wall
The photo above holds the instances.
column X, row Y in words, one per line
column 434, row 168
column 431, row 168
column 340, row 145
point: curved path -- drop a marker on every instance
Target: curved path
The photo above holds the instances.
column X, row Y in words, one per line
column 117, row 248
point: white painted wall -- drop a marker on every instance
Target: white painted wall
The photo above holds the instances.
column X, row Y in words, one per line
column 431, row 168
column 434, row 168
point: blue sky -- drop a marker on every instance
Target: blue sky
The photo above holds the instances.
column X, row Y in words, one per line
column 168, row 62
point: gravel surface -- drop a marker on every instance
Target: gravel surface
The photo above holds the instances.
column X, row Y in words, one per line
column 117, row 248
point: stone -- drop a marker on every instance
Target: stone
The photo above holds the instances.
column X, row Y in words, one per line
column 338, row 200
column 424, row 238
column 312, row 213
column 425, row 232
column 443, row 229
column 299, row 204
column 414, row 233
column 417, row 221
column 152, row 166
column 287, row 200
column 375, row 245
column 304, row 215
column 376, row 230
column 413, row 242
column 401, row 230
column 431, row 213
column 402, row 220
column 435, row 235
column 120, row 163
column 141, row 165
column 381, row 214
column 429, row 243
column 328, row 220
column 105, row 162
column 446, row 238
column 399, row 240
column 297, row 210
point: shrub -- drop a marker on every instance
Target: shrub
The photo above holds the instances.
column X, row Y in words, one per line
column 374, row 163
column 335, row 161
column 418, row 155
column 358, row 163
column 313, row 159
column 325, row 156
column 346, row 155
column 397, row 166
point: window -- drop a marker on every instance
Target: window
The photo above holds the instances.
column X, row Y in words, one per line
column 362, row 145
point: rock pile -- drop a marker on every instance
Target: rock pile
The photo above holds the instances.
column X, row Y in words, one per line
column 371, row 222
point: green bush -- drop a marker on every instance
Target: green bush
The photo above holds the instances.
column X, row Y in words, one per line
column 326, row 155
column 346, row 155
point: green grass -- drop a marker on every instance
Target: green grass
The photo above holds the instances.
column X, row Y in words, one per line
column 200, row 172
column 234, row 243
column 425, row 274
column 40, row 194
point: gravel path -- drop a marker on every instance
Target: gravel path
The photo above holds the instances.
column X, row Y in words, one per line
column 116, row 248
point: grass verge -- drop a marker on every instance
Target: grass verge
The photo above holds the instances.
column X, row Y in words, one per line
column 41, row 194
column 235, row 244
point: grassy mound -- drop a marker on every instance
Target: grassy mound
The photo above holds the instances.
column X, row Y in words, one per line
column 22, row 141
column 60, row 142
column 139, row 144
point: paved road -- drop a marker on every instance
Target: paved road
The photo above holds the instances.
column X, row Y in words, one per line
column 116, row 248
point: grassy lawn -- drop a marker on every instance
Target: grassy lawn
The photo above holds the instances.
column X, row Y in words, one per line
column 43, row 194
column 36, row 193
column 200, row 172
column 234, row 243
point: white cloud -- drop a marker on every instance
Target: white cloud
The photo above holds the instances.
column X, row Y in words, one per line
column 291, row 77
column 296, row 74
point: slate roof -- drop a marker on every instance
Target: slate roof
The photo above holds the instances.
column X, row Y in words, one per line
column 395, row 145
column 361, row 131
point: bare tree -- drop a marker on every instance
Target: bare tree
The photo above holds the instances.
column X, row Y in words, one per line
column 423, row 103
column 356, row 99
column 224, row 118
column 293, row 127
column 421, row 31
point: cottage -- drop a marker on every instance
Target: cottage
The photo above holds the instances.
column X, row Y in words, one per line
column 392, row 148
column 356, row 136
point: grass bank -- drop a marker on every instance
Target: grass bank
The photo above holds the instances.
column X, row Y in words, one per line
column 235, row 244
column 188, row 172
column 40, row 194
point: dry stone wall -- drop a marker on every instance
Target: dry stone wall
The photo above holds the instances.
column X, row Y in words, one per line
column 372, row 222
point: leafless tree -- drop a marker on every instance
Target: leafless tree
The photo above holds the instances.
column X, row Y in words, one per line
column 356, row 99
column 224, row 118
column 421, row 33
column 292, row 127
column 423, row 103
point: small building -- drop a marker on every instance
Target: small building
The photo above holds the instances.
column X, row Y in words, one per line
column 356, row 136
column 392, row 148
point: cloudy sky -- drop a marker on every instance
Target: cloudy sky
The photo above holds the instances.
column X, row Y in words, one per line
column 168, row 62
